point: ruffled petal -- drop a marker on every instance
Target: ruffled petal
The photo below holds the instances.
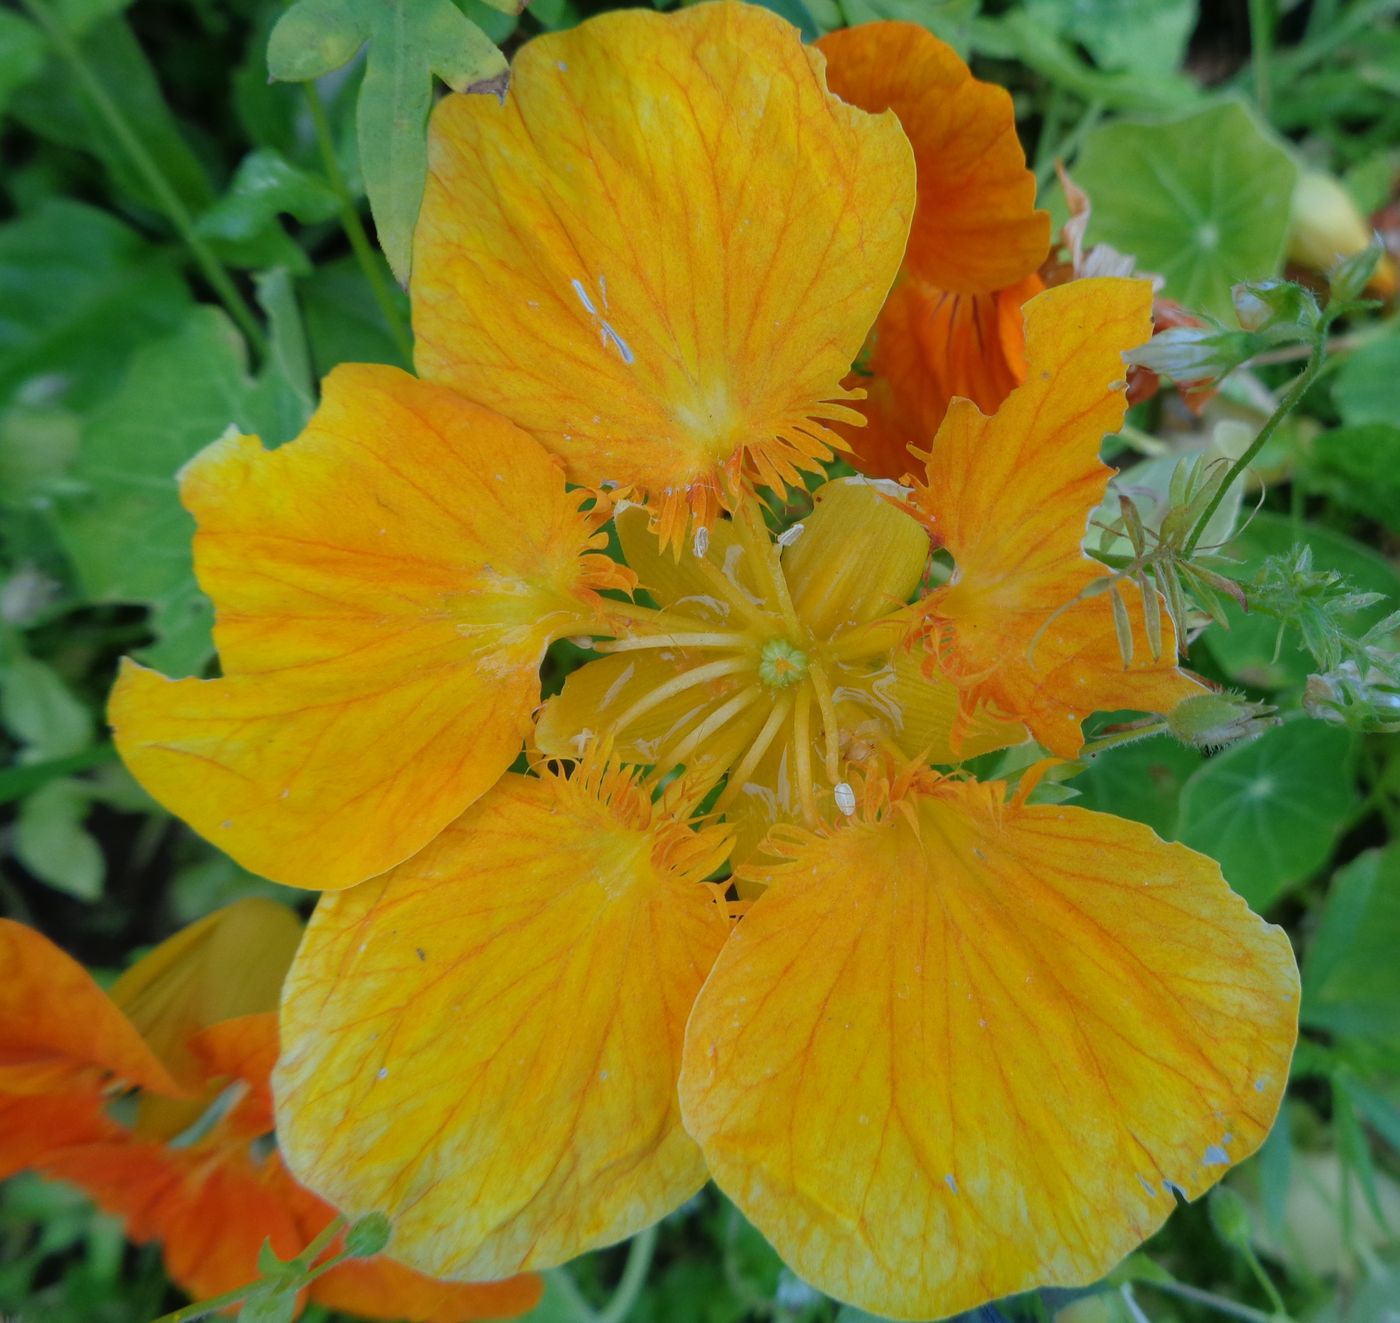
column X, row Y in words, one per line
column 386, row 586
column 697, row 232
column 1010, row 496
column 963, row 1047
column 483, row 1045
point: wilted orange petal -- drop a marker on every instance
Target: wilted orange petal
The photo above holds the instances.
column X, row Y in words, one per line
column 695, row 228
column 483, row 1045
column 386, row 587
column 1010, row 497
column 928, row 346
column 975, row 225
column 975, row 1047
column 58, row 1030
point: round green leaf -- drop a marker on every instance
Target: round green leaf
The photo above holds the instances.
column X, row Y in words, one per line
column 1201, row 199
column 1270, row 811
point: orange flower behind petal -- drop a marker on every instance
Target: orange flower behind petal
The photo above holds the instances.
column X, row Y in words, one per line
column 975, row 226
column 386, row 586
column 212, row 1199
column 483, row 1044
column 951, row 325
column 661, row 253
column 1010, row 495
column 929, row 346
column 963, row 1047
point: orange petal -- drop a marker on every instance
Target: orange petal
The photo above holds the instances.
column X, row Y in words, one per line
column 1010, row 496
column 696, row 229
column 928, row 346
column 386, row 587
column 59, row 1031
column 975, row 227
column 966, row 1047
column 483, row 1045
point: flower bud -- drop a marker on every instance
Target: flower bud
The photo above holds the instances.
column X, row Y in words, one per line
column 1208, row 721
column 1326, row 226
column 1194, row 353
column 368, row 1236
column 1280, row 307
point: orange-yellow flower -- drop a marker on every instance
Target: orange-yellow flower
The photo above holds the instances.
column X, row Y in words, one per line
column 191, row 1027
column 657, row 258
column 952, row 323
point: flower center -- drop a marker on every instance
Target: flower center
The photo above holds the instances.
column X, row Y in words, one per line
column 782, row 664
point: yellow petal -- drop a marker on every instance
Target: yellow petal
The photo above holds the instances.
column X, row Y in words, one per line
column 679, row 582
column 698, row 232
column 964, row 1047
column 386, row 586
column 1010, row 497
column 859, row 557
column 975, row 227
column 484, row 1043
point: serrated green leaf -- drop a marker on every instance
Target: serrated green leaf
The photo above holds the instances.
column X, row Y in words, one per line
column 51, row 843
column 1201, row 199
column 78, row 292
column 1271, row 810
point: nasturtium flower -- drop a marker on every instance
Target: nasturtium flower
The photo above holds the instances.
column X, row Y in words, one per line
column 661, row 253
column 952, row 323
column 191, row 1031
column 947, row 1043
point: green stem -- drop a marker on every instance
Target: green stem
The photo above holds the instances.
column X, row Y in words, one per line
column 354, row 227
column 634, row 1276
column 1286, row 405
column 203, row 1308
column 1211, row 1301
column 1265, row 1281
column 1121, row 737
column 1069, row 144
column 1261, row 41
column 219, row 279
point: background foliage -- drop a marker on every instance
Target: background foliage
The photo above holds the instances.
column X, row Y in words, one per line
column 184, row 243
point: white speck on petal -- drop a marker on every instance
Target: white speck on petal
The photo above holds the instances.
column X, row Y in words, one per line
column 383, row 1073
column 790, row 535
column 701, row 543
column 845, row 798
